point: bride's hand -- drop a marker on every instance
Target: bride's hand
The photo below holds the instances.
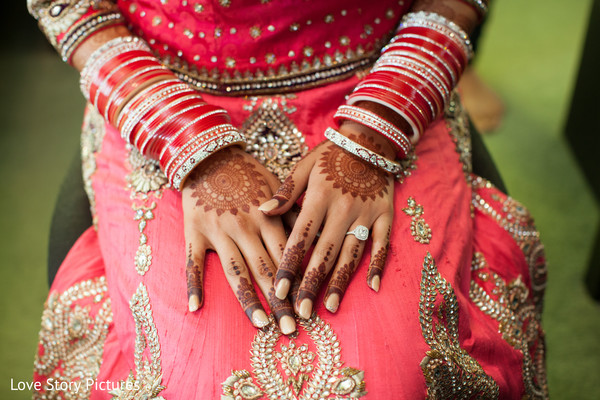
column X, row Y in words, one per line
column 342, row 192
column 220, row 208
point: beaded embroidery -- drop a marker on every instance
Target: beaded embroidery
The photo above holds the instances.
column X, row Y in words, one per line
column 419, row 229
column 146, row 182
column 146, row 383
column 301, row 379
column 272, row 138
column 450, row 372
column 74, row 327
column 518, row 321
column 457, row 121
column 92, row 136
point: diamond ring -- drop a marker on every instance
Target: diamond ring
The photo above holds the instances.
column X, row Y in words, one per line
column 361, row 232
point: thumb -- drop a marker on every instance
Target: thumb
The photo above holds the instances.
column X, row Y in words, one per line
column 290, row 190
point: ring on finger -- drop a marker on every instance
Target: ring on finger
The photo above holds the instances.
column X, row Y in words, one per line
column 361, row 232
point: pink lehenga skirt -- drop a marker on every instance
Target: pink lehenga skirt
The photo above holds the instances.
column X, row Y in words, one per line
column 458, row 314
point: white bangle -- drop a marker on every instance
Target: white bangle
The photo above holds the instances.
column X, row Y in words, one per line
column 362, row 152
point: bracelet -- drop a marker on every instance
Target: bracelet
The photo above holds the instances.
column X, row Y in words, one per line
column 375, row 122
column 362, row 152
column 481, row 6
column 441, row 24
column 108, row 50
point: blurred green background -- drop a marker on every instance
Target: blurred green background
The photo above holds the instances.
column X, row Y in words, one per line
column 529, row 54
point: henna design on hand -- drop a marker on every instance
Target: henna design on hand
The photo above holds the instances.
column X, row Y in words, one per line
column 293, row 257
column 194, row 276
column 247, row 297
column 285, row 191
column 264, row 269
column 279, row 308
column 378, row 262
column 341, row 278
column 313, row 279
column 227, row 182
column 235, row 268
column 353, row 175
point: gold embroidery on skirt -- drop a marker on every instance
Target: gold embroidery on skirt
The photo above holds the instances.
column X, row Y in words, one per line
column 419, row 229
column 301, row 379
column 72, row 339
column 146, row 383
column 450, row 372
column 92, row 136
column 272, row 138
column 516, row 220
column 146, row 182
column 518, row 321
column 457, row 121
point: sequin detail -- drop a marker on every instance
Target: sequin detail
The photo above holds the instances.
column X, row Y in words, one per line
column 92, row 136
column 294, row 371
column 146, row 383
column 75, row 324
column 457, row 122
column 146, row 183
column 450, row 372
column 519, row 321
column 419, row 229
column 272, row 138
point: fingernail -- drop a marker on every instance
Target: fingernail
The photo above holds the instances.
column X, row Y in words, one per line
column 282, row 289
column 194, row 302
column 260, row 319
column 375, row 282
column 333, row 302
column 287, row 325
column 269, row 205
column 305, row 308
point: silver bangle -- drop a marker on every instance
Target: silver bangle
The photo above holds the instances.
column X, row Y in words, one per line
column 362, row 152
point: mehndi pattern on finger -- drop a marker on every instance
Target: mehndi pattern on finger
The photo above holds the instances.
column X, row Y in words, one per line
column 194, row 273
column 341, row 277
column 279, row 308
column 264, row 269
column 352, row 175
column 247, row 297
column 227, row 183
column 292, row 258
column 377, row 263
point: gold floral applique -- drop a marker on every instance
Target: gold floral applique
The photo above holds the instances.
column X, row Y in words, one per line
column 290, row 372
column 75, row 325
column 419, row 229
column 146, row 183
column 272, row 138
column 92, row 137
column 146, row 383
column 519, row 322
column 450, row 372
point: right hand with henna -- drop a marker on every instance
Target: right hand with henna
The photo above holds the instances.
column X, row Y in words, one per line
column 220, row 208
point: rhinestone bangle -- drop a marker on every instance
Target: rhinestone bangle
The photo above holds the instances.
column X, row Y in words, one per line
column 362, row 152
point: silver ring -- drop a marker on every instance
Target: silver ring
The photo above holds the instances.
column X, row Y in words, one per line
column 361, row 232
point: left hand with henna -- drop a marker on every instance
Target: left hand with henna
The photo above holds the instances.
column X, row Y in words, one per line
column 342, row 192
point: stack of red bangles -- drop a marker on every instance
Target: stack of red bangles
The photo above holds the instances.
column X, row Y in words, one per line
column 414, row 76
column 162, row 116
